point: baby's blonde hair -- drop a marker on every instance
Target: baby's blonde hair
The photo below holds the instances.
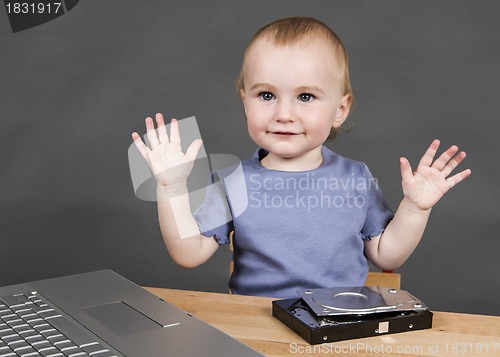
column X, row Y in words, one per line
column 290, row 30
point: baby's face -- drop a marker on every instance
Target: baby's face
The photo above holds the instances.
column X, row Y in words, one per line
column 293, row 96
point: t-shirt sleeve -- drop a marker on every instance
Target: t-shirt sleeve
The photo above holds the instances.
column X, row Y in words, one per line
column 214, row 215
column 378, row 212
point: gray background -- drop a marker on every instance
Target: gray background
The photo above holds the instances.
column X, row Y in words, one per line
column 74, row 89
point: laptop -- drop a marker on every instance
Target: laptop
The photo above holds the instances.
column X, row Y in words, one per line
column 102, row 314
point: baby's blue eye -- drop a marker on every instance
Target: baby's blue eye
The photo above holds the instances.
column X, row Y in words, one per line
column 305, row 97
column 267, row 96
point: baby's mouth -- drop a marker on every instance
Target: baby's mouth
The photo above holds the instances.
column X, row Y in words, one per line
column 284, row 133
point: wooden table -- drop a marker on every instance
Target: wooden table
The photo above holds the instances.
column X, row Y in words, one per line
column 249, row 319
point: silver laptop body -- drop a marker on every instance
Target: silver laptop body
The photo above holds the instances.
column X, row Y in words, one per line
column 106, row 315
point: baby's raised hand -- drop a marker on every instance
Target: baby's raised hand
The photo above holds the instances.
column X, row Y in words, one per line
column 429, row 182
column 168, row 164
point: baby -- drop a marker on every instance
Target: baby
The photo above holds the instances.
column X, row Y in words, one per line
column 313, row 217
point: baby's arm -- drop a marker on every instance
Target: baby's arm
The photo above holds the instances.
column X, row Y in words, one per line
column 171, row 168
column 422, row 189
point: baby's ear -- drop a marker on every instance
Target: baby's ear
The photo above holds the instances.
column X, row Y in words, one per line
column 242, row 95
column 342, row 110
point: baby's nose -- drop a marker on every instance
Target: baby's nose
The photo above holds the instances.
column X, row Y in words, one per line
column 284, row 112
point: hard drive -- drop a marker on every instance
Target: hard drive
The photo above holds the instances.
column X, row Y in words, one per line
column 337, row 314
column 359, row 300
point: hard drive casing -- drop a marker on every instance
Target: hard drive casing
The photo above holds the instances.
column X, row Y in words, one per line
column 299, row 317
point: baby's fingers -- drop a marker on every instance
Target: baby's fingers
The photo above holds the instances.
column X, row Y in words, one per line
column 162, row 129
column 151, row 133
column 193, row 149
column 429, row 154
column 445, row 158
column 175, row 137
column 143, row 149
column 453, row 180
column 406, row 172
column 453, row 163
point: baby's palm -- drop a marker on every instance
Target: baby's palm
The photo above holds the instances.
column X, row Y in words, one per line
column 168, row 164
column 425, row 187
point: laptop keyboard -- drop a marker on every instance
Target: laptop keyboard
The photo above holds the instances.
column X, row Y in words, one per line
column 30, row 326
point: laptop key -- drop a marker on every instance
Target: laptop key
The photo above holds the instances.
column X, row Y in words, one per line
column 48, row 351
column 9, row 317
column 54, row 337
column 4, row 349
column 12, row 301
column 70, row 350
column 40, row 345
column 103, row 354
column 24, row 350
column 4, row 312
column 23, row 299
column 62, row 345
column 42, row 326
column 6, row 332
column 48, row 331
column 28, row 335
column 59, row 339
column 94, row 349
column 35, row 321
column 19, row 345
column 31, row 354
column 11, row 339
column 71, row 331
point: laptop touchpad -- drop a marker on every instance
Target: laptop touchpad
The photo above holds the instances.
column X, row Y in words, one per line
column 121, row 318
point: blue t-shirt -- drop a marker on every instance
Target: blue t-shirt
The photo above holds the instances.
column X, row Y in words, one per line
column 295, row 230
